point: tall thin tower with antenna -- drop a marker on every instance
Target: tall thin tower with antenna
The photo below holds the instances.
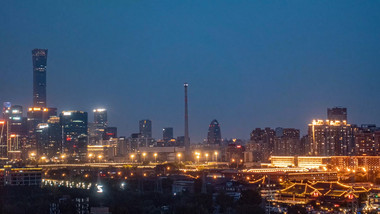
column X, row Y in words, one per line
column 187, row 138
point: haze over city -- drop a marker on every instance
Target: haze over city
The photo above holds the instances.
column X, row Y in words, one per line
column 248, row 64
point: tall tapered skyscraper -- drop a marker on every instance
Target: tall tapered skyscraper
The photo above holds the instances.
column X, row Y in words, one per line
column 187, row 138
column 39, row 77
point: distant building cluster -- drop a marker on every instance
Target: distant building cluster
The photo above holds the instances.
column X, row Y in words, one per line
column 45, row 134
column 331, row 137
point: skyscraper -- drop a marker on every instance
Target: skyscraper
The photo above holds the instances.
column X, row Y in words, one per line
column 337, row 113
column 6, row 110
column 74, row 125
column 214, row 135
column 145, row 127
column 187, row 138
column 3, row 139
column 36, row 115
column 39, row 57
column 49, row 138
column 167, row 134
column 100, row 116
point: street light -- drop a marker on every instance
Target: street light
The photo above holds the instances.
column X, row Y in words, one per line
column 216, row 156
column 206, row 157
column 144, row 154
column 155, row 157
column 100, row 157
column 33, row 154
column 198, row 158
column 179, row 157
column 132, row 156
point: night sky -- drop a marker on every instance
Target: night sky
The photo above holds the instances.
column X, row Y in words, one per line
column 248, row 64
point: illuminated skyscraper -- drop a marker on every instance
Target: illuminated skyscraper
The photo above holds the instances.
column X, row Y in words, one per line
column 214, row 135
column 145, row 127
column 100, row 116
column 39, row 57
column 74, row 125
column 331, row 138
column 3, row 139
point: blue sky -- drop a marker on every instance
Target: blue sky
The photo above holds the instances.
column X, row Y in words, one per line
column 249, row 64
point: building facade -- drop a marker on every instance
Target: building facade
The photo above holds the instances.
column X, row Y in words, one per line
column 74, row 129
column 287, row 142
column 145, row 127
column 39, row 57
column 331, row 138
column 167, row 134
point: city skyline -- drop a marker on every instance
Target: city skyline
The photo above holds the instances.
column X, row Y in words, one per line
column 253, row 86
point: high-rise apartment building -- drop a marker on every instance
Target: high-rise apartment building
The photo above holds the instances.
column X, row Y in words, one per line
column 145, row 127
column 331, row 138
column 367, row 140
column 39, row 57
column 214, row 135
column 262, row 143
column 287, row 142
column 74, row 129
